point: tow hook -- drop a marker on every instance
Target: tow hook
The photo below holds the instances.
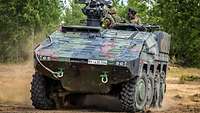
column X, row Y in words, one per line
column 104, row 77
column 59, row 74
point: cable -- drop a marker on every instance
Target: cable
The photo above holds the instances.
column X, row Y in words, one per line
column 55, row 74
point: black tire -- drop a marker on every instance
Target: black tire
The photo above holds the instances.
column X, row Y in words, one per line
column 150, row 89
column 156, row 96
column 133, row 95
column 39, row 93
column 162, row 87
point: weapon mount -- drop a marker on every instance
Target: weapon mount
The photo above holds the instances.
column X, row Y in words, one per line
column 94, row 10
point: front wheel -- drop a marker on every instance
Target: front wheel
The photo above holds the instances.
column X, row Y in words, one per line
column 133, row 96
column 39, row 93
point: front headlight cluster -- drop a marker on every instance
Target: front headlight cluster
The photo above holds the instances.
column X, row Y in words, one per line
column 44, row 58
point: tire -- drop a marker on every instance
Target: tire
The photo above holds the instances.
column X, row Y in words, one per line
column 156, row 96
column 133, row 95
column 39, row 93
column 150, row 89
column 162, row 87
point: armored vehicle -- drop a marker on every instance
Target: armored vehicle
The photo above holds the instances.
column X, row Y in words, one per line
column 127, row 61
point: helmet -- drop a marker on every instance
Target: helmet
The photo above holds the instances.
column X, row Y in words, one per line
column 132, row 11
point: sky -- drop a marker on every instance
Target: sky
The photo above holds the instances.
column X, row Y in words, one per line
column 125, row 1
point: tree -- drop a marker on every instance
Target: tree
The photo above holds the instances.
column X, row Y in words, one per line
column 18, row 20
column 181, row 18
column 141, row 7
column 73, row 14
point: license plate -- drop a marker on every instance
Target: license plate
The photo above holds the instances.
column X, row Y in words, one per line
column 98, row 62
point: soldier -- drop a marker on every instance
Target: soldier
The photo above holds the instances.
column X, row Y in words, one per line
column 110, row 16
column 113, row 13
column 132, row 16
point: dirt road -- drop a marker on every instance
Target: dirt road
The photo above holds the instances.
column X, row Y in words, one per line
column 15, row 95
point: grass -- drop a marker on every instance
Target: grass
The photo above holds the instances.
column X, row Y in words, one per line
column 185, row 74
column 180, row 71
column 189, row 78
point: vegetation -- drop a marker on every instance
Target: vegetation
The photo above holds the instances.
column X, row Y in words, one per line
column 184, row 75
column 184, row 78
column 21, row 19
column 181, row 18
column 73, row 14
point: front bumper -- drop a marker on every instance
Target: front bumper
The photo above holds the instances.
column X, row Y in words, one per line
column 85, row 77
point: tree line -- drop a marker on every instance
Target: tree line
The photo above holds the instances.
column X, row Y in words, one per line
column 21, row 19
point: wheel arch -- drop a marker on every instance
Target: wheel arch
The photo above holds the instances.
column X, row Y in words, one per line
column 149, row 68
column 162, row 67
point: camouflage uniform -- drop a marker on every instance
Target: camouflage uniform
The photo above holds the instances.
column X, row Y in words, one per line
column 132, row 16
column 113, row 13
column 110, row 18
column 135, row 20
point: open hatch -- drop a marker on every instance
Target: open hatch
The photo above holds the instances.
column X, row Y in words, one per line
column 134, row 27
column 83, row 29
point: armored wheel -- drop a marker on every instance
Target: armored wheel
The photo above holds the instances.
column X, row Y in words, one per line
column 150, row 89
column 156, row 96
column 162, row 87
column 133, row 96
column 40, row 94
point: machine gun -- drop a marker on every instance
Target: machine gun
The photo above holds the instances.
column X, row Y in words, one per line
column 94, row 10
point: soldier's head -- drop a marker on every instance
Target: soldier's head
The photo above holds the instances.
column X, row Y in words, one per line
column 131, row 13
column 113, row 11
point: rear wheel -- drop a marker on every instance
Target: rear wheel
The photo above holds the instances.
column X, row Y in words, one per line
column 156, row 96
column 133, row 96
column 162, row 87
column 150, row 89
column 40, row 94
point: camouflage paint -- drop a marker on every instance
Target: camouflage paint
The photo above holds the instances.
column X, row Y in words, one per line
column 112, row 49
column 84, row 59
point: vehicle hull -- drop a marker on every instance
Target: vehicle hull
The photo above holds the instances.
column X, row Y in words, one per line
column 86, row 78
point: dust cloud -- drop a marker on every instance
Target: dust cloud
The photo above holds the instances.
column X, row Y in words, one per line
column 15, row 83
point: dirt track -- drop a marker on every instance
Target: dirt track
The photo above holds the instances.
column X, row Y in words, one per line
column 15, row 96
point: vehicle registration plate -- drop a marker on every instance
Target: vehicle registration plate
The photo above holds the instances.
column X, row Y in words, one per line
column 98, row 62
